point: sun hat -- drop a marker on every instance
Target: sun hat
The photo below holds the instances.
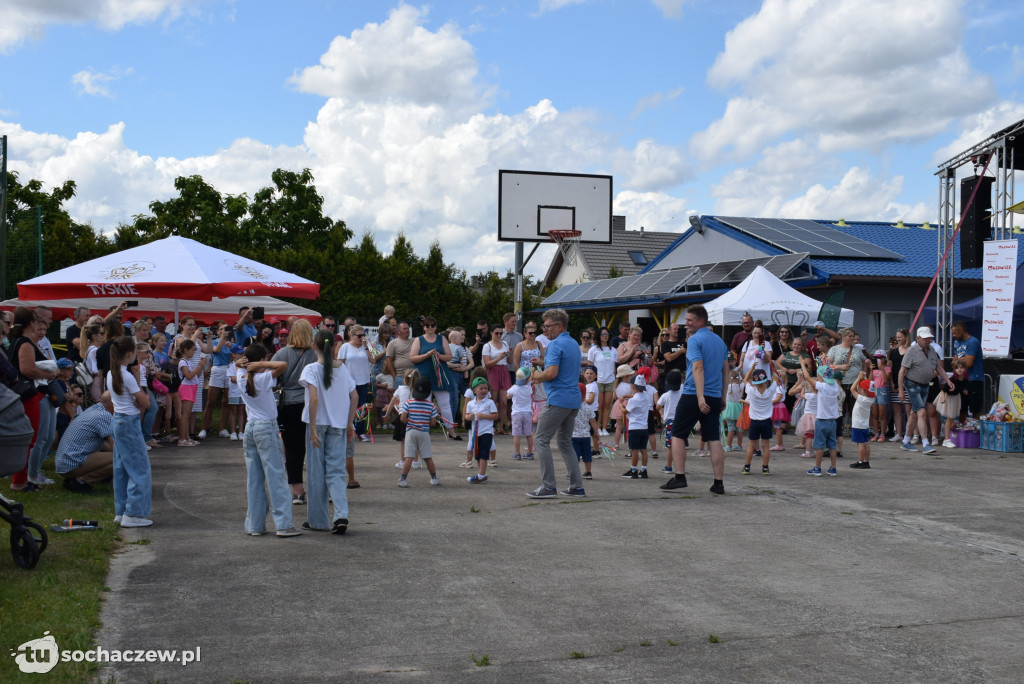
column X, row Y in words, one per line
column 827, row 374
column 623, row 370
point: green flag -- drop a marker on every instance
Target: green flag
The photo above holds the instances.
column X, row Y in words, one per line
column 830, row 310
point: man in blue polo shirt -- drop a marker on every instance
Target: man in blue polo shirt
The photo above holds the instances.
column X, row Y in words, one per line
column 707, row 372
column 561, row 377
column 85, row 455
column 244, row 329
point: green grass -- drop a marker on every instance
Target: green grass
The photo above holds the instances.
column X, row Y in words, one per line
column 62, row 594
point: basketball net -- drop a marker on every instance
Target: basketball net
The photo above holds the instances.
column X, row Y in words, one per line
column 567, row 241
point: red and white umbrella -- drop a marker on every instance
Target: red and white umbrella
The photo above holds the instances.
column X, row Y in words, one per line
column 172, row 268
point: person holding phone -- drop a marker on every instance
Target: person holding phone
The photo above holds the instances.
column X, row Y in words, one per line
column 245, row 331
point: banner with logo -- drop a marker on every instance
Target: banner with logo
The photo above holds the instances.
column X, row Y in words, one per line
column 1000, row 282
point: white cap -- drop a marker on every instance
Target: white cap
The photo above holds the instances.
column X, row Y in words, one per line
column 819, row 323
column 925, row 331
column 639, row 381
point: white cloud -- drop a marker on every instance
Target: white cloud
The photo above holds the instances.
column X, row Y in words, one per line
column 650, row 166
column 28, row 20
column 396, row 60
column 653, row 100
column 652, row 210
column 846, row 72
column 92, row 82
column 673, row 9
column 980, row 127
column 554, row 5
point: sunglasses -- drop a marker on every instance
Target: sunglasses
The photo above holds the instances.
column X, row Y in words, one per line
column 585, row 337
column 359, row 336
column 429, row 325
column 604, row 334
column 330, row 325
column 534, row 332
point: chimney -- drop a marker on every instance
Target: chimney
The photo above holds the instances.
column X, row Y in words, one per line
column 641, row 231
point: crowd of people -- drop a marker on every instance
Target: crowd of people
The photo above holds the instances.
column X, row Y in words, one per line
column 300, row 398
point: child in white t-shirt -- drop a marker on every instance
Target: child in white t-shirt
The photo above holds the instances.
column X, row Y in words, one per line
column 667, row 405
column 521, row 395
column 762, row 395
column 482, row 412
column 479, row 372
column 402, row 395
column 581, row 434
column 236, row 412
column 860, row 426
column 636, row 410
column 825, row 421
column 590, row 399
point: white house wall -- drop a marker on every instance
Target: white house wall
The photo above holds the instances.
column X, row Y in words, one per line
column 567, row 275
column 708, row 248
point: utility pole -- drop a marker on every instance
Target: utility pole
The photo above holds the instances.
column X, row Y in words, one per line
column 3, row 218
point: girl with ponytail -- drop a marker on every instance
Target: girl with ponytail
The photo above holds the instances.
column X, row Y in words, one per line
column 133, row 482
column 264, row 457
column 330, row 407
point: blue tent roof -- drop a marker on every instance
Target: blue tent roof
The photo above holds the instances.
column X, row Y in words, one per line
column 917, row 245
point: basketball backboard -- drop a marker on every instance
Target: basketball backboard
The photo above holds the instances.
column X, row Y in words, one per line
column 531, row 203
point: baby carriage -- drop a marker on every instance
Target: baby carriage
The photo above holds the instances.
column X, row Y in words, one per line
column 28, row 539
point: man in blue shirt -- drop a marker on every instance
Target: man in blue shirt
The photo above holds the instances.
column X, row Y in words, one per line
column 244, row 329
column 85, row 455
column 967, row 348
column 561, row 377
column 707, row 372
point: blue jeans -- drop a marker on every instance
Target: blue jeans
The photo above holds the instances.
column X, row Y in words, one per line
column 44, row 438
column 325, row 475
column 363, row 391
column 918, row 394
column 556, row 422
column 456, row 388
column 264, row 466
column 133, row 479
column 149, row 417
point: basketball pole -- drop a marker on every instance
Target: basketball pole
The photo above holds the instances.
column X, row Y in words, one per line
column 517, row 306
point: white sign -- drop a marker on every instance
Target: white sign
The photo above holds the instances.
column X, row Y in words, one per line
column 1000, row 282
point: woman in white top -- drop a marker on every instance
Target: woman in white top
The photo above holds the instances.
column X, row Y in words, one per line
column 331, row 402
column 358, row 358
column 133, row 481
column 495, row 356
column 264, row 455
column 605, row 359
column 757, row 353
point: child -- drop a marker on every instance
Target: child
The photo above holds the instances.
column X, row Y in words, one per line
column 482, row 411
column 581, row 434
column 402, row 395
column 264, row 454
column 860, row 420
column 733, row 409
column 133, row 479
column 762, row 396
column 623, row 391
column 636, row 410
column 236, row 416
column 591, row 399
column 780, row 414
column 825, row 418
column 478, row 372
column 521, row 395
column 419, row 414
column 881, row 380
column 950, row 407
column 805, row 427
column 96, row 338
column 190, row 370
column 652, row 417
column 331, row 402
column 667, row 403
column 385, row 388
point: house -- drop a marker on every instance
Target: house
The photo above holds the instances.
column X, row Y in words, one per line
column 882, row 269
column 628, row 252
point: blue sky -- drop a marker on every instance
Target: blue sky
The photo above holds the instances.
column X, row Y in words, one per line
column 405, row 113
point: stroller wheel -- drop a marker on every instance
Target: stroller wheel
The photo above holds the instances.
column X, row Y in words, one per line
column 24, row 548
column 41, row 539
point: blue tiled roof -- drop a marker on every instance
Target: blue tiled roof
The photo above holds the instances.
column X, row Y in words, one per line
column 919, row 247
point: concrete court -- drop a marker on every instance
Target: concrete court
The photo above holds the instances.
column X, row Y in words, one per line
column 910, row 572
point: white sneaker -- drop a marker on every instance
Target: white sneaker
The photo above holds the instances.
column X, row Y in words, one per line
column 364, row 438
column 916, row 439
column 129, row 521
column 149, row 448
column 399, row 464
column 201, row 435
column 949, row 444
column 117, row 519
column 896, row 438
column 402, row 482
column 42, row 480
column 233, row 436
column 415, row 465
column 434, row 482
column 225, row 433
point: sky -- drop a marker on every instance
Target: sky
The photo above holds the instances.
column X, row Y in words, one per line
column 405, row 113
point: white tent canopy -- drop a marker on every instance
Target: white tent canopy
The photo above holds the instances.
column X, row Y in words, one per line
column 767, row 298
column 226, row 308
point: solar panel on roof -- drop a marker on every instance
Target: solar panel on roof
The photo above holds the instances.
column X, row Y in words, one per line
column 801, row 235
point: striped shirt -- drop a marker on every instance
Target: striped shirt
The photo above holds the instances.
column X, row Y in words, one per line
column 420, row 412
column 84, row 435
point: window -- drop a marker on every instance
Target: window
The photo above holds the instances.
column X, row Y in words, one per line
column 881, row 326
column 638, row 258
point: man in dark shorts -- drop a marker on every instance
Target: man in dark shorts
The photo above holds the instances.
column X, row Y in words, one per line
column 707, row 375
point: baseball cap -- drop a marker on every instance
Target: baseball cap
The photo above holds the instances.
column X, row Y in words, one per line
column 827, row 374
column 65, row 363
column 867, row 387
column 759, row 377
column 422, row 389
column 639, row 381
column 479, row 381
column 522, row 375
column 924, row 331
column 237, row 349
column 819, row 323
column 878, row 353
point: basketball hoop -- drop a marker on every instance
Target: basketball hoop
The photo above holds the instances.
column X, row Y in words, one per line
column 568, row 242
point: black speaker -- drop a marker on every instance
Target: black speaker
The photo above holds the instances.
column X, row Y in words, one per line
column 977, row 223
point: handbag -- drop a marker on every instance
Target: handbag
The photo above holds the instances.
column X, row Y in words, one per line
column 158, row 387
column 24, row 388
column 82, row 374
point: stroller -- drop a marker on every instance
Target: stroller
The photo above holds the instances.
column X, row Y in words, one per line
column 28, row 539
